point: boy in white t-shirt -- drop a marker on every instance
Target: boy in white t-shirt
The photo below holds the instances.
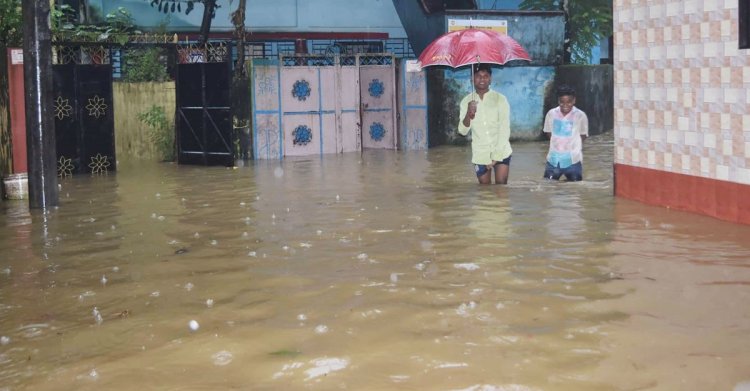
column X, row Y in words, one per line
column 566, row 127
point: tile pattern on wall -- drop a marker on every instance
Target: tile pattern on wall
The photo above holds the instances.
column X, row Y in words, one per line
column 682, row 88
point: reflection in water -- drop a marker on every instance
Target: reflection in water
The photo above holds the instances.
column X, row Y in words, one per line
column 376, row 271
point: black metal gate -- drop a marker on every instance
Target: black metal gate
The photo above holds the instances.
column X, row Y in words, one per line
column 84, row 119
column 204, row 118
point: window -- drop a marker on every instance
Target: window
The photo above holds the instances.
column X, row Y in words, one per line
column 744, row 19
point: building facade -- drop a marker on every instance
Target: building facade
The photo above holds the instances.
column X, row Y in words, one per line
column 682, row 125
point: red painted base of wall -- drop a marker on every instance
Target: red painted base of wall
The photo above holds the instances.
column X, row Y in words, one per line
column 724, row 200
column 17, row 111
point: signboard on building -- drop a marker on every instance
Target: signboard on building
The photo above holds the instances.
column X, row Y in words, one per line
column 16, row 56
column 501, row 26
column 413, row 66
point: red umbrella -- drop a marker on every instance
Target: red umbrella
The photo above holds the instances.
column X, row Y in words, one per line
column 471, row 46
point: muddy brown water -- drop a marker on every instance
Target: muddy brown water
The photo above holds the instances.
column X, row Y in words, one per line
column 376, row 271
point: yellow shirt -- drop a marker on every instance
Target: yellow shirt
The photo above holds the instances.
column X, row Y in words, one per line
column 490, row 128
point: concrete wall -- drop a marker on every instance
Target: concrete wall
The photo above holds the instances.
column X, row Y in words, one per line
column 541, row 33
column 131, row 99
column 594, row 85
column 682, row 115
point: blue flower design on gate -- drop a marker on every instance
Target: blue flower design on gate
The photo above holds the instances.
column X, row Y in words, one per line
column 377, row 131
column 301, row 89
column 302, row 135
column 376, row 88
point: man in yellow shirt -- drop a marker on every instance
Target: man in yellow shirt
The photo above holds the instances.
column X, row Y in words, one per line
column 486, row 114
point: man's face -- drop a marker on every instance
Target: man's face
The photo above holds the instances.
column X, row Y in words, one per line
column 566, row 103
column 482, row 80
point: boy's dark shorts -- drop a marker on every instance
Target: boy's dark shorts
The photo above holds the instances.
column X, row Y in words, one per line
column 481, row 169
column 572, row 173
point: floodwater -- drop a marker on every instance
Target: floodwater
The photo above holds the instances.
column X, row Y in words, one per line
column 380, row 271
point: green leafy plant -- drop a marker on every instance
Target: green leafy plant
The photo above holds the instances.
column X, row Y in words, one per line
column 145, row 65
column 161, row 132
column 11, row 32
column 586, row 23
column 117, row 25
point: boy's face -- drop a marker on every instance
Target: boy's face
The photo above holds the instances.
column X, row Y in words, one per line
column 482, row 80
column 566, row 103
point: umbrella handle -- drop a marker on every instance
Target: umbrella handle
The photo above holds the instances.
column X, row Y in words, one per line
column 473, row 88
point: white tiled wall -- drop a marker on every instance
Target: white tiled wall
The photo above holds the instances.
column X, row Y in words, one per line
column 682, row 88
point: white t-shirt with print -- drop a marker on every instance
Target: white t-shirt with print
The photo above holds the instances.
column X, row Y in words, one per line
column 565, row 143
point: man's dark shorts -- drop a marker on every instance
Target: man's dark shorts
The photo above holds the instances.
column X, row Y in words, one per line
column 572, row 173
column 481, row 169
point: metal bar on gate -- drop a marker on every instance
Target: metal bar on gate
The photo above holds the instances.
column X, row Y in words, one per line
column 192, row 130
column 204, row 113
column 217, row 130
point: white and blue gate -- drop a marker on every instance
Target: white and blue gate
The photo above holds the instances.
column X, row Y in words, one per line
column 310, row 105
column 412, row 106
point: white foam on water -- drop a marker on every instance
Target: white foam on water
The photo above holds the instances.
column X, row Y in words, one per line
column 222, row 358
column 742, row 386
column 465, row 308
column 321, row 329
column 586, row 351
column 466, row 266
column 97, row 316
column 505, row 339
column 287, row 369
column 324, row 366
column 444, row 365
column 85, row 295
column 371, row 313
column 488, row 387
